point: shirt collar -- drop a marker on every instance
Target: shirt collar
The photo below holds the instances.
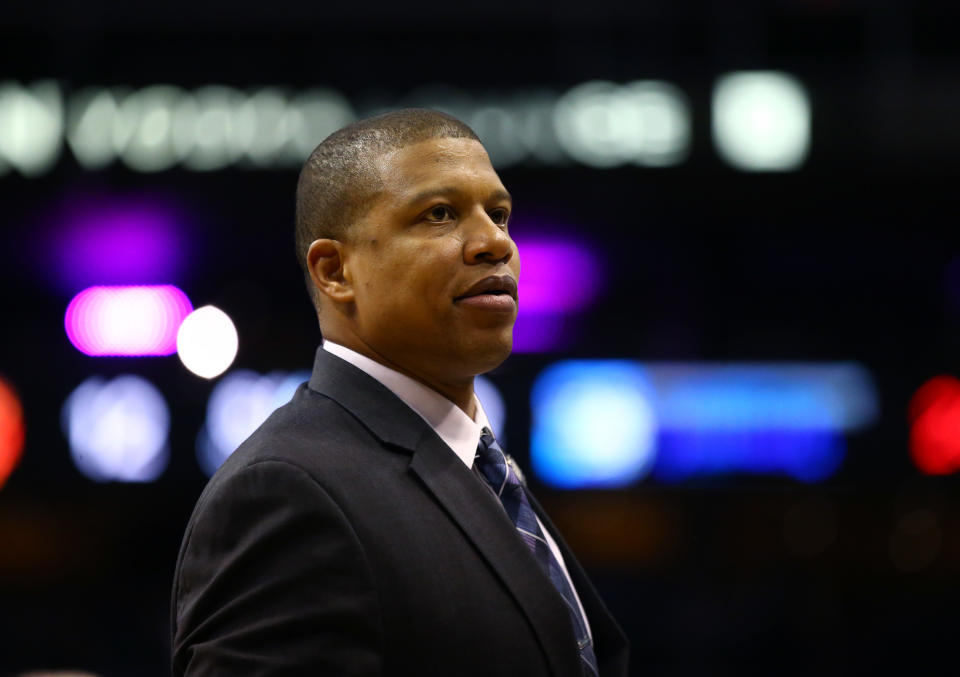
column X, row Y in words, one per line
column 460, row 432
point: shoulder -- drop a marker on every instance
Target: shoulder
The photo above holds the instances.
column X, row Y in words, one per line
column 315, row 443
column 311, row 432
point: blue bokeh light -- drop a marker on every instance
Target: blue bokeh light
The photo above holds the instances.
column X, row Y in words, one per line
column 593, row 424
column 117, row 430
column 238, row 404
column 610, row 423
column 804, row 455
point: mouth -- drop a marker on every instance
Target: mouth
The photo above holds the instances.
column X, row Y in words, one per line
column 494, row 285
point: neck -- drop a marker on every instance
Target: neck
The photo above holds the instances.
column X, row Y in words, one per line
column 458, row 392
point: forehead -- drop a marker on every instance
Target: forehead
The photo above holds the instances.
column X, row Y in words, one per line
column 458, row 164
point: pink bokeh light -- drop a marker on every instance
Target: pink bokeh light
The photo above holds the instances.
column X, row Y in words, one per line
column 560, row 278
column 126, row 321
column 557, row 276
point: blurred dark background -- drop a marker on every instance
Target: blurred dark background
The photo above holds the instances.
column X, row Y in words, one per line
column 848, row 254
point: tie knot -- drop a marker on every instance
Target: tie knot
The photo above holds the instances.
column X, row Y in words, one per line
column 492, row 462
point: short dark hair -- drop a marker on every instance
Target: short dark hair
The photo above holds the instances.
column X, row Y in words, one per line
column 339, row 180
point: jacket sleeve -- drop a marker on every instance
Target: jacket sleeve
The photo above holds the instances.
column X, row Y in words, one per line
column 272, row 580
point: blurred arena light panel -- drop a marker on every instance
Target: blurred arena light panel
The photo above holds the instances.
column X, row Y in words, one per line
column 117, row 429
column 12, row 430
column 603, row 124
column 212, row 127
column 761, row 120
column 698, row 420
column 115, row 240
column 514, row 127
column 934, row 415
column 126, row 321
column 207, row 342
column 593, row 424
column 161, row 126
column 767, row 419
column 550, row 297
column 31, row 126
column 238, row 404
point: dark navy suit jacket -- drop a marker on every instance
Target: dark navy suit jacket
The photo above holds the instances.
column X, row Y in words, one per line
column 345, row 538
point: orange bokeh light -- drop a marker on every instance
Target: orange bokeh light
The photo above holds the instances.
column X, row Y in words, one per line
column 934, row 415
column 12, row 432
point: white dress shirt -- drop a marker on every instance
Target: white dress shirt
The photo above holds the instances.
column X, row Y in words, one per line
column 460, row 432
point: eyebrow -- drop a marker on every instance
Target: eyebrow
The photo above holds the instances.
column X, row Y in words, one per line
column 446, row 191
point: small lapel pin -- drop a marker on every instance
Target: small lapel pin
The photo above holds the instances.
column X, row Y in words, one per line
column 516, row 469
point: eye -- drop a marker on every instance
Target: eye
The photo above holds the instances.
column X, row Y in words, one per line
column 439, row 214
column 500, row 216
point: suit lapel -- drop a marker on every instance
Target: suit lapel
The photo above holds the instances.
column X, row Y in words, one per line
column 483, row 521
column 474, row 509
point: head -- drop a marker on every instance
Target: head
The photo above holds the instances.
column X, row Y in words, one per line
column 402, row 230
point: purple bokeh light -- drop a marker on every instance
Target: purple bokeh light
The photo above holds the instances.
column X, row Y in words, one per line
column 557, row 276
column 126, row 321
column 560, row 277
column 114, row 241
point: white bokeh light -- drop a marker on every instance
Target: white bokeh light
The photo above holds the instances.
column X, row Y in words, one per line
column 238, row 404
column 143, row 134
column 204, row 128
column 604, row 124
column 207, row 342
column 761, row 120
column 31, row 126
column 117, row 430
column 90, row 121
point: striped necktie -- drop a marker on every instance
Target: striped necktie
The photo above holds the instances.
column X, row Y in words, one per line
column 492, row 463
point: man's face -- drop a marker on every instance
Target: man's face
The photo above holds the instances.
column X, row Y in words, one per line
column 432, row 266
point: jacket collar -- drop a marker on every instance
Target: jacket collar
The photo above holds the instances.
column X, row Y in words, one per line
column 372, row 403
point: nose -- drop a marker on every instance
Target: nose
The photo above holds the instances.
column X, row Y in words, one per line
column 487, row 242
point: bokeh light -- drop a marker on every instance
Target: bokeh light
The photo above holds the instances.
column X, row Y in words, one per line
column 126, row 321
column 593, row 424
column 934, row 415
column 207, row 342
column 804, row 455
column 765, row 419
column 681, row 421
column 31, row 126
column 603, row 124
column 238, row 404
column 549, row 294
column 117, row 429
column 770, row 396
column 111, row 240
column 12, row 430
column 761, row 120
column 545, row 287
column 159, row 126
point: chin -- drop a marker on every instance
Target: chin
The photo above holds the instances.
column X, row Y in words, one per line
column 490, row 354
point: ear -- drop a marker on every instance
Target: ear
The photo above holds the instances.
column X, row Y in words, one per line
column 326, row 262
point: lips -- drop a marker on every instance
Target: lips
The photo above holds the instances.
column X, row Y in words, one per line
column 496, row 285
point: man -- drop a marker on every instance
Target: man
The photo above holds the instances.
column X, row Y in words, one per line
column 373, row 526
